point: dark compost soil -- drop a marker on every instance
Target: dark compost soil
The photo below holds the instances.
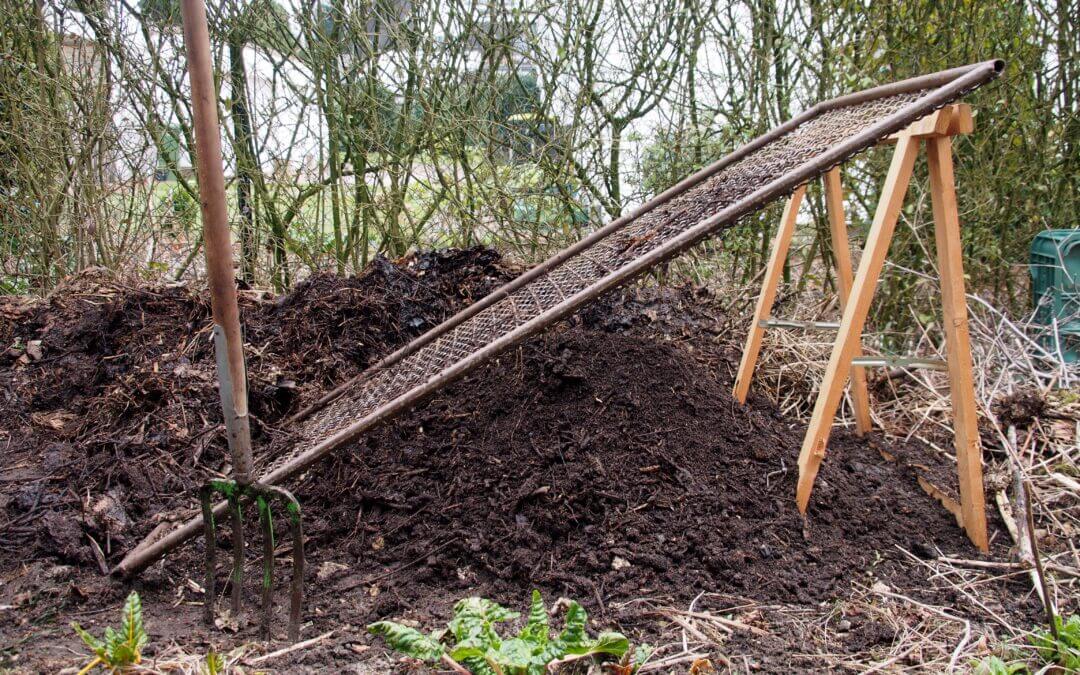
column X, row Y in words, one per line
column 604, row 460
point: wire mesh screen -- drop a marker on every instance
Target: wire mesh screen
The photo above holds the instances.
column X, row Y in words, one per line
column 774, row 160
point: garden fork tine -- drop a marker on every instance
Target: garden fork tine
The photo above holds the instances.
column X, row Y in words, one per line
column 238, row 552
column 292, row 506
column 206, row 493
column 209, row 586
column 264, row 496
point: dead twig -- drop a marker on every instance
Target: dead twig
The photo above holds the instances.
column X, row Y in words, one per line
column 938, row 612
column 999, row 565
column 1048, row 604
column 290, row 649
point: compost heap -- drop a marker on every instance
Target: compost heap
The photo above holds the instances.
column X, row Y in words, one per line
column 605, row 458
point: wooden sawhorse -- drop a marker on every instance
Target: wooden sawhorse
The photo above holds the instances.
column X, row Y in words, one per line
column 855, row 294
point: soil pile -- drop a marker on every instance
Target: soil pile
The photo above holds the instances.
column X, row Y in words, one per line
column 603, row 460
column 329, row 328
column 616, row 466
column 109, row 398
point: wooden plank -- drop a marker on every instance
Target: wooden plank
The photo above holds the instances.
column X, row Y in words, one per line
column 834, row 202
column 934, row 124
column 952, row 120
column 962, row 122
column 851, row 325
column 773, row 272
column 957, row 339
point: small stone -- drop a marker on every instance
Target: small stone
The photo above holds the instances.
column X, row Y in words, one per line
column 329, row 569
column 227, row 622
column 34, row 350
column 108, row 513
column 844, row 626
column 59, row 572
column 619, row 563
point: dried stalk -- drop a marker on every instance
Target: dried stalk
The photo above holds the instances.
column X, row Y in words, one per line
column 1048, row 604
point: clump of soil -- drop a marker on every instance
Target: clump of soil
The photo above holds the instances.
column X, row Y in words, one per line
column 1019, row 408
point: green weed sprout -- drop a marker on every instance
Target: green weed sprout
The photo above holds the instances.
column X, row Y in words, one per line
column 1065, row 650
column 117, row 650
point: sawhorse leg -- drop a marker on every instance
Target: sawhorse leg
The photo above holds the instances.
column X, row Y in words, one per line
column 957, row 340
column 947, row 236
column 851, row 325
column 765, row 300
column 834, row 200
column 834, row 203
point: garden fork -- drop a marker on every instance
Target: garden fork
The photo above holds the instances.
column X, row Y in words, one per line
column 229, row 349
column 236, row 492
column 263, row 496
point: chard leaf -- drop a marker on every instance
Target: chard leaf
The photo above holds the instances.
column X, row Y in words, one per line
column 536, row 628
column 408, row 641
column 215, row 664
column 95, row 645
column 112, row 641
column 478, row 665
column 476, row 616
column 610, row 642
column 123, row 654
column 472, row 653
column 641, row 655
column 119, row 649
column 573, row 633
column 131, row 626
column 470, row 648
column 511, row 656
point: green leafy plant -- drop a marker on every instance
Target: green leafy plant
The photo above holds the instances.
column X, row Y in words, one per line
column 994, row 665
column 214, row 664
column 1064, row 650
column 470, row 642
column 121, row 649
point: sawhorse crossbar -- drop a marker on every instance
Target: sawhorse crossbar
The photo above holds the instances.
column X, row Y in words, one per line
column 856, row 292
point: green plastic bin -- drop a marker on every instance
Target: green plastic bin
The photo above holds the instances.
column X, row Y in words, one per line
column 1055, row 286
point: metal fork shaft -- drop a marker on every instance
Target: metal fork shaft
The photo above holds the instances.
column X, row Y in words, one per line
column 209, row 587
column 238, row 552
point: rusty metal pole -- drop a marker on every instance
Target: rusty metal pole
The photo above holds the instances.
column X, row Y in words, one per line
column 228, row 341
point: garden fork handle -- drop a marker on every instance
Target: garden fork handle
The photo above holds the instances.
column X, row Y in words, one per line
column 218, row 242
